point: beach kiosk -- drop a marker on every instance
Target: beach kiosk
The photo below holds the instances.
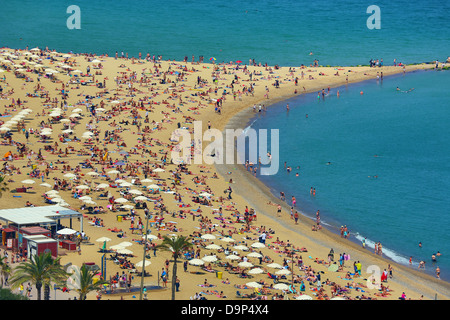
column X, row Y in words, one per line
column 32, row 231
column 37, row 244
column 33, row 221
column 8, row 237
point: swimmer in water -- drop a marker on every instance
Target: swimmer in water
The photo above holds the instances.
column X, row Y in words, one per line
column 405, row 91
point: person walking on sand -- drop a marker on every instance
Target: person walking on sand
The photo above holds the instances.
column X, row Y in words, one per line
column 177, row 284
column 390, row 269
column 296, row 217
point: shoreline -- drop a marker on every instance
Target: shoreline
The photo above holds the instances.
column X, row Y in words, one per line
column 244, row 181
column 334, row 225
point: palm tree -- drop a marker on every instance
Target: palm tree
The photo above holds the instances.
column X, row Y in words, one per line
column 5, row 270
column 7, row 294
column 82, row 281
column 39, row 270
column 3, row 185
column 176, row 245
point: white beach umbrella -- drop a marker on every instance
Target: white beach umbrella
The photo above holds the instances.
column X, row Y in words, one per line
column 113, row 171
column 338, row 298
column 82, row 187
column 153, row 186
column 141, row 198
column 126, row 244
column 233, row 257
column 254, row 255
column 281, row 286
column 158, row 170
column 245, row 264
column 256, row 271
column 125, row 184
column 253, row 284
column 303, row 297
column 120, row 200
column 213, row 247
column 283, row 272
column 93, row 173
column 258, row 245
column 76, row 110
column 103, row 239
column 209, row 258
column 208, row 236
column 63, row 204
column 28, row 181
column 196, row 262
column 102, row 186
column 147, row 180
column 274, row 265
column 70, row 175
column 116, row 247
column 51, row 192
column 124, row 251
column 127, row 206
column 45, row 185
column 227, row 239
column 205, row 194
column 134, row 191
column 140, row 263
column 67, row 131
column 241, row 247
column 66, row 231
column 150, row 237
column 84, row 198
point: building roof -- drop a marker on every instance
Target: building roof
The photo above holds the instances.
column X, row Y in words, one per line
column 34, row 230
column 37, row 215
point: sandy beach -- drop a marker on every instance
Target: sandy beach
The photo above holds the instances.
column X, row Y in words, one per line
column 142, row 103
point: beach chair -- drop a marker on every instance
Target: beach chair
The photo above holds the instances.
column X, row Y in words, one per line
column 239, row 295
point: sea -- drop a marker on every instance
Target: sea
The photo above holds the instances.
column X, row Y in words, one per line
column 379, row 161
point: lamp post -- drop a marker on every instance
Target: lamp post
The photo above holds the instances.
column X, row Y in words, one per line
column 292, row 267
column 143, row 259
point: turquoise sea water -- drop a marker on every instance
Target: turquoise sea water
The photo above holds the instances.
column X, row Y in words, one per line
column 407, row 203
column 379, row 162
column 277, row 32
